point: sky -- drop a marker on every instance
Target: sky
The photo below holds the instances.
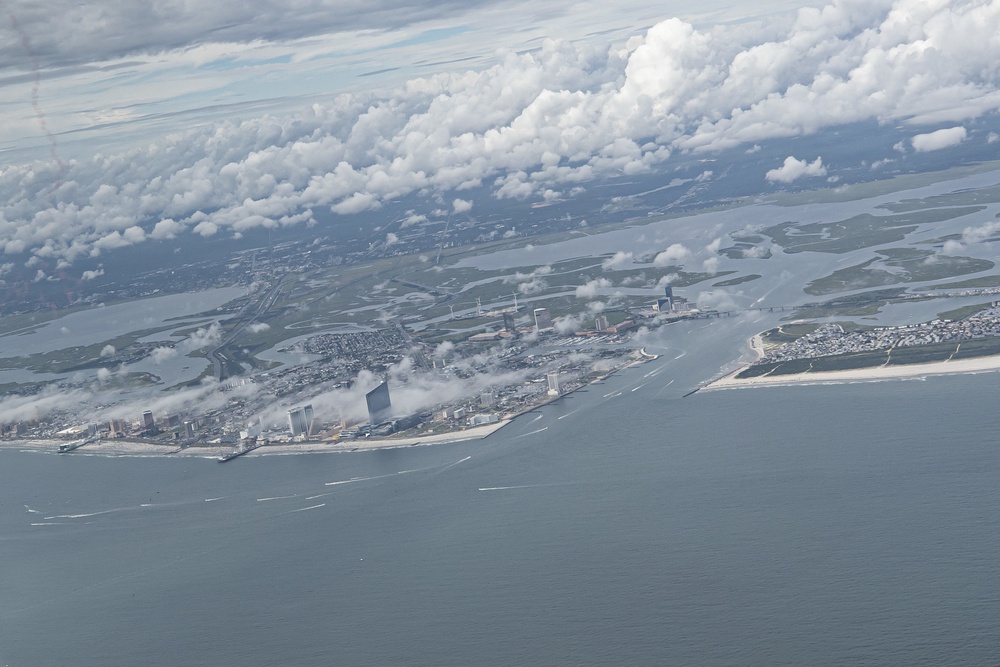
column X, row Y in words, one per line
column 126, row 123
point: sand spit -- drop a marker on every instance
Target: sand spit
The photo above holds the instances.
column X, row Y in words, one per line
column 873, row 374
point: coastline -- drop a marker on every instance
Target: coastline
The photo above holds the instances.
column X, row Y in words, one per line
column 134, row 448
column 872, row 374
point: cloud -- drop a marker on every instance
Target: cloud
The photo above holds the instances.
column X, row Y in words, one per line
column 952, row 247
column 258, row 327
column 536, row 123
column 204, row 337
column 939, row 139
column 162, row 353
column 413, row 390
column 568, row 323
column 518, row 277
column 979, row 234
column 90, row 275
column 794, row 169
column 412, row 219
column 668, row 279
column 108, row 351
column 391, row 239
column 461, row 206
column 167, row 229
column 676, row 254
column 619, row 260
column 590, row 288
column 716, row 300
column 443, row 349
column 533, row 286
column 755, row 252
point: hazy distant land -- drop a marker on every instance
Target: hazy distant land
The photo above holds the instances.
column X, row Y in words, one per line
column 452, row 324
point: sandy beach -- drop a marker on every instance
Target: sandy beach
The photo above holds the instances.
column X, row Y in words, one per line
column 362, row 444
column 874, row 374
column 134, row 448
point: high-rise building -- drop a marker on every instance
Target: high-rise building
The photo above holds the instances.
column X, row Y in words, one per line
column 118, row 428
column 601, row 323
column 666, row 304
column 147, row 419
column 508, row 322
column 553, row 380
column 297, row 424
column 379, row 404
column 542, row 319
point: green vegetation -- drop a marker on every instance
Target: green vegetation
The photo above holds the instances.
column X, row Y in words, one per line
column 988, row 195
column 861, row 231
column 894, row 266
column 856, row 191
column 965, row 311
column 982, row 281
column 854, row 305
column 744, row 251
column 787, row 333
column 737, row 281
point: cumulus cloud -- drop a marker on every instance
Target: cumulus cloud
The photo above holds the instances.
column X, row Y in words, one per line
column 204, row 337
column 952, row 247
column 979, row 234
column 108, row 351
column 755, row 252
column 519, row 277
column 162, row 353
column 461, row 206
column 90, row 275
column 668, row 279
column 413, row 219
column 533, row 286
column 568, row 323
column 716, row 300
column 619, row 260
column 793, row 169
column 939, row 139
column 258, row 327
column 536, row 124
column 589, row 289
column 443, row 349
column 677, row 253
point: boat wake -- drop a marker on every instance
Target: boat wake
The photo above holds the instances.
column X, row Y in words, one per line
column 306, row 509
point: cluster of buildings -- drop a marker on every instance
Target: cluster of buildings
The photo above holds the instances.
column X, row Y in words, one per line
column 831, row 339
column 341, row 356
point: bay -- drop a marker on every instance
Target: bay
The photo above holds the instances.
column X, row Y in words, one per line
column 627, row 524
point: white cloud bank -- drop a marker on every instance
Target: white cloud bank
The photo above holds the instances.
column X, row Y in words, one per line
column 939, row 139
column 536, row 124
column 794, row 169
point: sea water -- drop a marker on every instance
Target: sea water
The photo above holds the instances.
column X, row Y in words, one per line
column 624, row 524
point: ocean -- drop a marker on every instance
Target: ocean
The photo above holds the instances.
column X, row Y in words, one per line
column 624, row 524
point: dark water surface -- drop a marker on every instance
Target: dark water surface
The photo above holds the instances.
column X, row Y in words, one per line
column 841, row 524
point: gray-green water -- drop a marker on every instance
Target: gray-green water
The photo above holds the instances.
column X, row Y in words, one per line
column 841, row 524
